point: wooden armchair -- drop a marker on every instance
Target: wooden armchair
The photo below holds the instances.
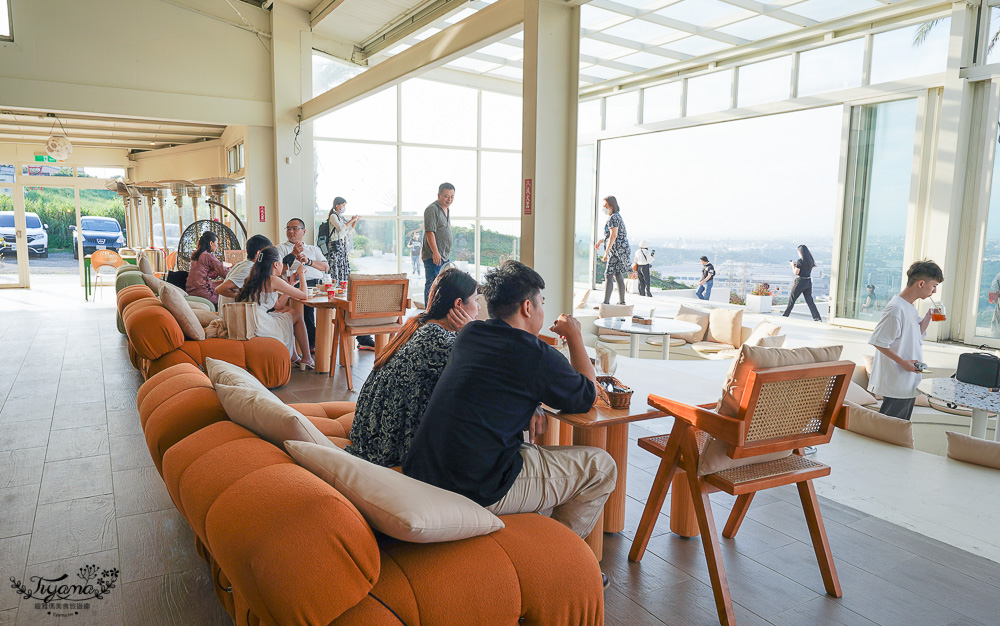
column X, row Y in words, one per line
column 375, row 305
column 781, row 409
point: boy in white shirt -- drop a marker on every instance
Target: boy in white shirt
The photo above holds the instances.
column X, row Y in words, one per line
column 898, row 338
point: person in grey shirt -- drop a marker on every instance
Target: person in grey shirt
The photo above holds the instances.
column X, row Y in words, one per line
column 437, row 235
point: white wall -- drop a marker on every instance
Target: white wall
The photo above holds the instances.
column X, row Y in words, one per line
column 201, row 160
column 145, row 58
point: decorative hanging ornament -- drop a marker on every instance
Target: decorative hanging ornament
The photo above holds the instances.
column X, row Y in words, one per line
column 58, row 146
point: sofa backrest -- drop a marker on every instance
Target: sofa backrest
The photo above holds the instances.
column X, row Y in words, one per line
column 151, row 328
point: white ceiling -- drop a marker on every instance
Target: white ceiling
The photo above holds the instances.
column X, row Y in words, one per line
column 33, row 126
column 618, row 37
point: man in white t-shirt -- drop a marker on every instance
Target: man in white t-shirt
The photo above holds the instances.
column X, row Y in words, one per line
column 309, row 256
column 898, row 339
column 230, row 288
column 642, row 260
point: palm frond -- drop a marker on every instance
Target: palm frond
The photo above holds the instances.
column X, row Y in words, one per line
column 993, row 41
column 924, row 31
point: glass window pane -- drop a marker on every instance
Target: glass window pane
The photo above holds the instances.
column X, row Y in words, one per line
column 881, row 163
column 831, row 68
column 327, row 72
column 501, row 121
column 499, row 241
column 662, row 102
column 437, row 113
column 988, row 302
column 4, row 19
column 500, row 185
column 588, row 119
column 373, row 118
column 426, row 168
column 992, row 49
column 620, row 111
column 363, row 174
column 710, row 93
column 6, row 173
column 100, row 172
column 768, row 81
column 912, row 51
column 50, row 211
column 375, row 249
column 463, row 246
column 46, row 170
column 8, row 258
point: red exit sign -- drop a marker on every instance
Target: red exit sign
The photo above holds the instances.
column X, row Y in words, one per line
column 262, row 213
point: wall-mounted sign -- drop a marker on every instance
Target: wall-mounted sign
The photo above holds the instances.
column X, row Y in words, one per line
column 528, row 199
column 44, row 158
column 262, row 213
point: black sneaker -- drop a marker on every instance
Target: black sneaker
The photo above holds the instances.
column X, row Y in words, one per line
column 605, row 581
column 366, row 340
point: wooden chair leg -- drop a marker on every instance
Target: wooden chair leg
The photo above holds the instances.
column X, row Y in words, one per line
column 347, row 339
column 661, row 484
column 810, row 505
column 736, row 517
column 380, row 343
column 709, row 538
column 338, row 352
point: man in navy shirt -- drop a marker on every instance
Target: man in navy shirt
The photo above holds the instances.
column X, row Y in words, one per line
column 470, row 439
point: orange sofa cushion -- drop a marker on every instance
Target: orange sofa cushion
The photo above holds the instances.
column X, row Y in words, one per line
column 130, row 294
column 265, row 358
column 151, row 328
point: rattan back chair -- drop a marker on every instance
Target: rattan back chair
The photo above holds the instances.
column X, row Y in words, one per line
column 782, row 409
column 375, row 306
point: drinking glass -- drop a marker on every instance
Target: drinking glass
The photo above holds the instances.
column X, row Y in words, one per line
column 938, row 313
column 607, row 359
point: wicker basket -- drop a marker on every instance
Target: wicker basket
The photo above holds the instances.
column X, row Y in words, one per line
column 613, row 399
column 644, row 321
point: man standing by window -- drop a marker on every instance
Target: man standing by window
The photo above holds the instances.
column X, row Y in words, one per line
column 437, row 235
column 707, row 276
column 309, row 256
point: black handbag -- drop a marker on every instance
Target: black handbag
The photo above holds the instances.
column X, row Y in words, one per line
column 979, row 368
column 178, row 279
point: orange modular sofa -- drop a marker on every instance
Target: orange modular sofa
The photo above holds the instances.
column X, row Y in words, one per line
column 285, row 547
column 156, row 342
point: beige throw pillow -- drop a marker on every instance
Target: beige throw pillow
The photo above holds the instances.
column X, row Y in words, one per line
column 774, row 341
column 616, row 310
column 725, row 326
column 223, row 373
column 173, row 299
column 869, row 423
column 145, row 265
column 762, row 330
column 715, row 458
column 973, row 450
column 153, row 282
column 261, row 412
column 205, row 317
column 399, row 506
column 200, row 305
column 859, row 395
column 695, row 316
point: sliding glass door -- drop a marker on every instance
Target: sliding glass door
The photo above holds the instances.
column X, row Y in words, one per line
column 876, row 207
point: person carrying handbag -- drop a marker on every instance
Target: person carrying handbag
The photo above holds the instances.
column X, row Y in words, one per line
column 641, row 265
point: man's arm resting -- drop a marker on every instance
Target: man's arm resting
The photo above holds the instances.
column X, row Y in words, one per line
column 227, row 288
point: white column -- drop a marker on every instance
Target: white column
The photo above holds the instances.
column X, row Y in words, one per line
column 941, row 237
column 548, row 157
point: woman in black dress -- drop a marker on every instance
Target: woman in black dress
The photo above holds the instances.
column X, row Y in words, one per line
column 392, row 400
column 617, row 254
column 803, row 283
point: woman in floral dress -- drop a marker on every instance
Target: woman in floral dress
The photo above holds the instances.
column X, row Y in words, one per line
column 617, row 254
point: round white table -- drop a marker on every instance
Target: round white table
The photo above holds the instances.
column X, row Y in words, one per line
column 662, row 327
column 981, row 400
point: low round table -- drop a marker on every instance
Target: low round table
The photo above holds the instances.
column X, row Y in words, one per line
column 662, row 327
column 981, row 400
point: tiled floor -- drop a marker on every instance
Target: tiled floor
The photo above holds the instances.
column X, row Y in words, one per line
column 77, row 487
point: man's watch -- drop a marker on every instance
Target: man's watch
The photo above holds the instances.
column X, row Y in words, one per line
column 309, row 262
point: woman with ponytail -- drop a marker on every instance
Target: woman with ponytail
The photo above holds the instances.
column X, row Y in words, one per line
column 265, row 288
column 205, row 267
column 393, row 399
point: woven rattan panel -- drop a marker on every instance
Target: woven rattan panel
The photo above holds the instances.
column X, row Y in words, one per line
column 757, row 471
column 790, row 407
column 377, row 298
column 659, row 442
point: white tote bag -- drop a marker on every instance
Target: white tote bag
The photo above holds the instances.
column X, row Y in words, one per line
column 241, row 320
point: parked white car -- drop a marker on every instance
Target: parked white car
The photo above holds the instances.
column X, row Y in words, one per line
column 38, row 239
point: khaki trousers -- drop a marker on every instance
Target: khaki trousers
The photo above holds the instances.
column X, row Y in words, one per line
column 572, row 481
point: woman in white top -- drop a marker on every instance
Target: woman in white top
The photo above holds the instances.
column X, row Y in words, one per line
column 337, row 233
column 275, row 318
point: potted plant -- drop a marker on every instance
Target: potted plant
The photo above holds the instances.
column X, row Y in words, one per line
column 759, row 299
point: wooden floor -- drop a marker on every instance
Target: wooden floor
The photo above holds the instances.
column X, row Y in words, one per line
column 77, row 487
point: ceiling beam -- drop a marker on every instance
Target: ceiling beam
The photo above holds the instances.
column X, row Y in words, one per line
column 322, row 10
column 482, row 28
column 73, row 129
column 402, row 28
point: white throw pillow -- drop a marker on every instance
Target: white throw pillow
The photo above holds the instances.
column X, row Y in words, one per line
column 399, row 506
column 695, row 316
column 873, row 424
column 859, row 395
column 973, row 450
column 761, row 330
column 173, row 300
column 725, row 326
column 224, row 373
column 144, row 265
column 262, row 413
